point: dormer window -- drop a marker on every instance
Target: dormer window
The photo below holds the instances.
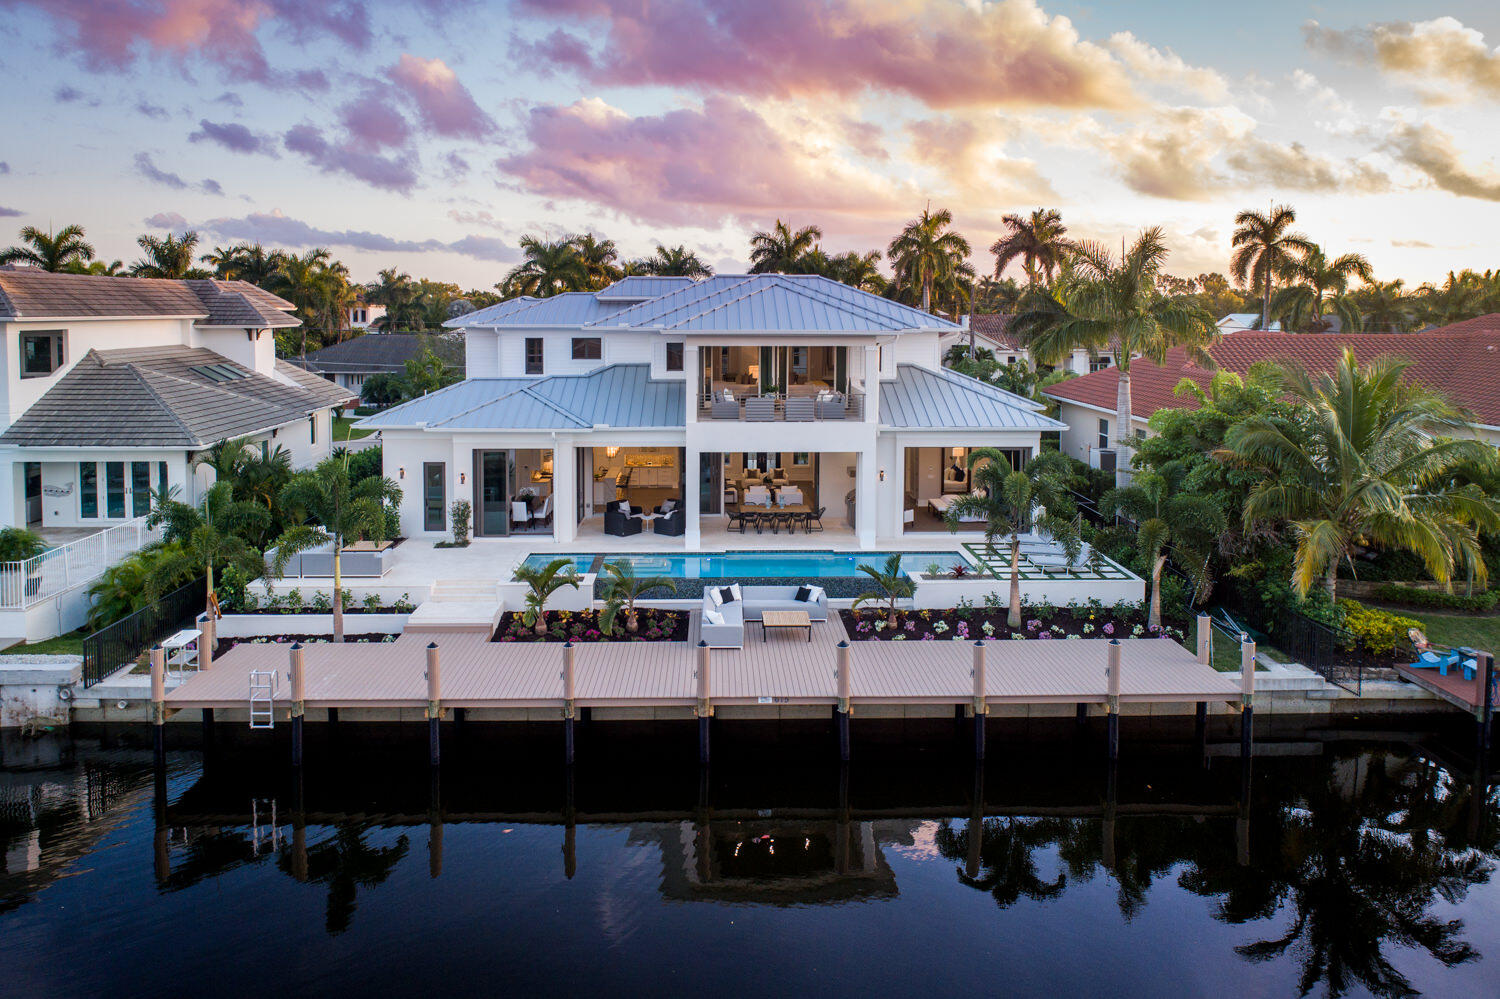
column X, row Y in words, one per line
column 587, row 348
column 533, row 355
column 674, row 357
column 41, row 353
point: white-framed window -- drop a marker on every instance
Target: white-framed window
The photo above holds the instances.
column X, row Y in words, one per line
column 42, row 353
column 1103, row 433
column 1098, row 364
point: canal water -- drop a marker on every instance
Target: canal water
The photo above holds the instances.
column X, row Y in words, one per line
column 1344, row 863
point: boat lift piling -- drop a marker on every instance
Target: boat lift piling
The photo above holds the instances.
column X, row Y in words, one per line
column 159, row 707
column 981, row 706
column 570, row 696
column 434, row 706
column 298, row 677
column 1112, row 703
column 1247, row 696
column 841, row 713
column 705, row 707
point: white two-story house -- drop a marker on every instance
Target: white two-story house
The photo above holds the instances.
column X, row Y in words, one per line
column 583, row 414
column 111, row 387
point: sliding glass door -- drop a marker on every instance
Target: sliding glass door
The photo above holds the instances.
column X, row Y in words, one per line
column 494, row 484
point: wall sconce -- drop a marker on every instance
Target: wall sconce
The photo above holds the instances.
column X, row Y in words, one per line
column 882, row 475
column 461, row 478
column 401, row 472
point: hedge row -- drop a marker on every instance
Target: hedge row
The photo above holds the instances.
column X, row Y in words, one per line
column 1412, row 596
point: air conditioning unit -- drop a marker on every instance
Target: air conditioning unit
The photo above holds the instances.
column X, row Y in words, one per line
column 1102, row 458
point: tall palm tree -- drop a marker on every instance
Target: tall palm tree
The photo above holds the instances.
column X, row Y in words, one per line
column 1098, row 303
column 204, row 538
column 1385, row 307
column 1007, row 499
column 676, row 261
column 1264, row 247
column 316, row 285
column 168, row 256
column 401, row 298
column 1170, row 522
column 600, row 259
column 928, row 252
column 549, row 268
column 340, row 512
column 780, row 250
column 98, row 268
column 858, row 270
column 1462, row 296
column 1318, row 284
column 245, row 262
column 1038, row 240
column 48, row 251
column 1368, row 460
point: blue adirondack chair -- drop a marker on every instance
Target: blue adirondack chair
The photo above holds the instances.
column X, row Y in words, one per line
column 1441, row 658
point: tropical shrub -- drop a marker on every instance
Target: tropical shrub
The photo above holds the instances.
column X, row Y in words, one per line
column 461, row 512
column 1377, row 631
column 1412, row 596
column 18, row 544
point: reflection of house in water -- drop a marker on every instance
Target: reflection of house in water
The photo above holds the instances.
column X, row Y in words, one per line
column 775, row 861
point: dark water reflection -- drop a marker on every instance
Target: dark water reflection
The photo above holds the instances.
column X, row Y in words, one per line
column 1358, row 865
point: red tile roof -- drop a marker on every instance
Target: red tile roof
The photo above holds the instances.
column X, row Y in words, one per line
column 1462, row 361
column 991, row 326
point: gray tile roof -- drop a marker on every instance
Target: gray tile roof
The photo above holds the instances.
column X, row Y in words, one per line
column 619, row 395
column 26, row 293
column 153, row 397
column 378, row 352
column 919, row 398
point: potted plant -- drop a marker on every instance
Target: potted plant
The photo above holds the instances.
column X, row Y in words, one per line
column 621, row 589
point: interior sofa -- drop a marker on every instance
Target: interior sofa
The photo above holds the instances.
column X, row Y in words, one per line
column 619, row 523
column 753, row 602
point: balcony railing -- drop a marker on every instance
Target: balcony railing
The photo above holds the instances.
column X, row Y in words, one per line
column 838, row 406
column 50, row 573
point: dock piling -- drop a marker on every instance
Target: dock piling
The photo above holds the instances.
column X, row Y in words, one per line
column 1247, row 695
column 1205, row 639
column 981, row 706
column 569, row 697
column 1486, row 707
column 299, row 700
column 1112, row 702
column 434, row 706
column 434, row 825
column 159, row 705
column 705, row 708
column 208, row 641
column 845, row 685
column 974, row 856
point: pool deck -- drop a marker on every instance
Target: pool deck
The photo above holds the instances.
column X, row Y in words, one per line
column 787, row 670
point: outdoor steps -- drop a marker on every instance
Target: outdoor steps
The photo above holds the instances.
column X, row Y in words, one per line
column 458, row 605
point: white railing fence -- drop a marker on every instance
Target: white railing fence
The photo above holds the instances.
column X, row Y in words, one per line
column 23, row 584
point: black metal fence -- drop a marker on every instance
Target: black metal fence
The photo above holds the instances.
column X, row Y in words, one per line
column 107, row 649
column 1332, row 653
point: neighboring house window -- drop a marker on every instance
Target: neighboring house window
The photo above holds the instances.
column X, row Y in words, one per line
column 1098, row 364
column 1140, row 434
column 534, row 354
column 674, row 357
column 41, row 354
column 587, row 348
column 88, row 489
column 434, row 496
column 161, row 476
column 1103, row 433
column 312, row 428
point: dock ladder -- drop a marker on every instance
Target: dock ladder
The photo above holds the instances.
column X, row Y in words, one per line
column 263, row 698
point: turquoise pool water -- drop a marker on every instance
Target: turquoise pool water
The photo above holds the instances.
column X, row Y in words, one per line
column 757, row 565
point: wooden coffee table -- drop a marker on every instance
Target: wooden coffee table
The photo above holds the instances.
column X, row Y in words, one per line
column 784, row 619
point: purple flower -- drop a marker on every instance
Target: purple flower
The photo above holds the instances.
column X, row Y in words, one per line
column 1045, row 634
column 1156, row 627
column 1109, row 629
column 911, row 626
column 1033, row 624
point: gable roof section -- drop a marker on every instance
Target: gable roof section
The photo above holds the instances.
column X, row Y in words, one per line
column 619, row 395
column 571, row 308
column 27, row 293
column 154, row 397
column 992, row 327
column 384, row 352
column 1462, row 361
column 919, row 398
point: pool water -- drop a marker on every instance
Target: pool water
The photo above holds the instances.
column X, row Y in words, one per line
column 758, row 565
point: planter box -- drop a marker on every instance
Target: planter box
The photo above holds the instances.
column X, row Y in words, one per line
column 946, row 592
column 267, row 625
column 318, row 563
column 513, row 595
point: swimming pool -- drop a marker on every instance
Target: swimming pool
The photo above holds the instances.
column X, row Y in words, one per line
column 757, row 565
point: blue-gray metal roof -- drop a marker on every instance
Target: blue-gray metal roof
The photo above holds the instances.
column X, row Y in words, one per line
column 640, row 287
column 573, row 308
column 620, row 395
column 921, row 398
column 798, row 303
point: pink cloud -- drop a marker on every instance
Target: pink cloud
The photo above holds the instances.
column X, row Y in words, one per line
column 444, row 105
column 389, row 173
column 372, row 120
column 1008, row 52
column 688, row 166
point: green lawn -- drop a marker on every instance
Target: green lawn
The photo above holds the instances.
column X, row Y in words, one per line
column 1226, row 657
column 1475, row 630
column 63, row 645
column 343, row 429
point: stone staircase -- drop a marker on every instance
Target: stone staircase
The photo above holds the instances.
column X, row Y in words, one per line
column 459, row 605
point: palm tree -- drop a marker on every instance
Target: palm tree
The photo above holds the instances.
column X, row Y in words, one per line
column 1098, row 303
column 1169, row 521
column 600, row 260
column 341, row 512
column 549, row 269
column 1386, row 307
column 1007, row 499
column 312, row 282
column 1367, row 461
column 544, row 582
column 621, row 589
column 49, row 252
column 167, row 256
column 1318, row 284
column 1264, row 248
column 780, row 251
column 1462, row 296
column 245, row 262
column 927, row 252
column 1039, row 241
column 678, row 261
column 858, row 270
column 395, row 291
column 204, row 538
column 891, row 585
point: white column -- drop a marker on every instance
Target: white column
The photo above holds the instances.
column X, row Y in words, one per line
column 692, row 537
column 693, row 377
column 13, row 493
column 872, row 383
column 866, row 502
column 564, row 492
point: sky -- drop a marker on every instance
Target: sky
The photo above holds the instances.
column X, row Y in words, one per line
column 430, row 135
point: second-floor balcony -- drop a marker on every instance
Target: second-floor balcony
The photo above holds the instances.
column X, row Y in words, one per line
column 756, row 383
column 801, row 405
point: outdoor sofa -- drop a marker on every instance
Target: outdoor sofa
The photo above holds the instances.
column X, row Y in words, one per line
column 754, row 601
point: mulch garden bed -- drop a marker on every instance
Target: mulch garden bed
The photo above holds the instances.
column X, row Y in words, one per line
column 971, row 623
column 583, row 626
column 225, row 644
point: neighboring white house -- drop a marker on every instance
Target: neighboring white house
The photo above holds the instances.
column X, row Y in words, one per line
column 991, row 331
column 1245, row 322
column 362, row 315
column 350, row 363
column 112, row 386
column 702, row 393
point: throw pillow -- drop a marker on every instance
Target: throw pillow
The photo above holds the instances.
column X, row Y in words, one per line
column 817, row 594
column 804, row 593
column 728, row 594
column 716, row 597
column 734, row 588
column 713, row 617
column 624, row 507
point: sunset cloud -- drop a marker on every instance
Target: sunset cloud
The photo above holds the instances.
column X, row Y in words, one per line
column 10, row 213
column 444, row 105
column 1165, row 67
column 390, row 173
column 1442, row 57
column 149, row 170
column 1432, row 152
column 276, row 229
column 946, row 55
column 232, row 136
column 372, row 120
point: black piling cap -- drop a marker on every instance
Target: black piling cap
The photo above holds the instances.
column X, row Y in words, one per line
column 843, row 643
column 432, row 645
column 702, row 643
column 296, row 647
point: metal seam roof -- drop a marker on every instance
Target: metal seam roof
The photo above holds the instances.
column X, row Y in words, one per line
column 920, row 398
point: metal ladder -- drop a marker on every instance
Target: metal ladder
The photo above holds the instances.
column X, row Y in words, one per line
column 263, row 698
